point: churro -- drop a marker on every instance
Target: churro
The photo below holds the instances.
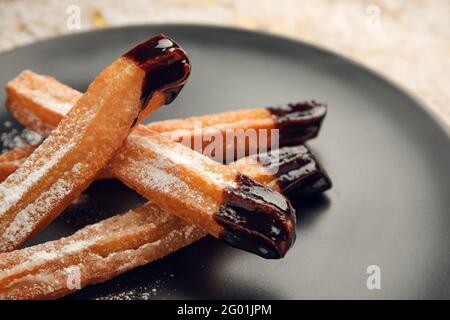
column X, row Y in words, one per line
column 94, row 254
column 292, row 171
column 132, row 87
column 110, row 247
column 11, row 160
column 39, row 103
column 284, row 170
column 206, row 193
column 218, row 199
column 212, row 196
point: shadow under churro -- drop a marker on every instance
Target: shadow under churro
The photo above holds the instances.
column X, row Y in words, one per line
column 309, row 209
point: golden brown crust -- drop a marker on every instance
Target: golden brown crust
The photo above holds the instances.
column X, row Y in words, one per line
column 11, row 160
column 84, row 141
column 68, row 160
column 29, row 86
column 18, row 154
column 179, row 180
column 42, row 101
column 96, row 253
column 103, row 250
column 100, row 251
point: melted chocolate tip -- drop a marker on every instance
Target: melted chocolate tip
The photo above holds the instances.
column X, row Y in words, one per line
column 296, row 170
column 166, row 66
column 257, row 219
column 299, row 121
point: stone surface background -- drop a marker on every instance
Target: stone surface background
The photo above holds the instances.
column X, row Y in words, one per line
column 408, row 41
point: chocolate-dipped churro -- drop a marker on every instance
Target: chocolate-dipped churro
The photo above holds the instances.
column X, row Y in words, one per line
column 171, row 163
column 292, row 170
column 214, row 197
column 210, row 195
column 39, row 102
column 110, row 247
column 88, row 136
column 289, row 170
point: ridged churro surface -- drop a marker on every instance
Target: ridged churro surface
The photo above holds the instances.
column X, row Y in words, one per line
column 94, row 254
column 85, row 140
column 196, row 188
column 132, row 239
column 40, row 101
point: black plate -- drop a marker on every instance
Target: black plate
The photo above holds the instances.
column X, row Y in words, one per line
column 389, row 159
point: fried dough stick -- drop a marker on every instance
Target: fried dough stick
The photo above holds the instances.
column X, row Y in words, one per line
column 182, row 182
column 11, row 160
column 39, row 103
column 212, row 196
column 95, row 253
column 113, row 246
column 270, row 169
column 56, row 172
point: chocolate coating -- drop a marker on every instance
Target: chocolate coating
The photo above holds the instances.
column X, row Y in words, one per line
column 166, row 67
column 299, row 121
column 296, row 170
column 257, row 219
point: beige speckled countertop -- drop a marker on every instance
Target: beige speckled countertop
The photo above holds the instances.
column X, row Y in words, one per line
column 407, row 41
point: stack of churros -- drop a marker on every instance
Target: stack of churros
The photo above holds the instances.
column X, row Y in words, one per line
column 227, row 175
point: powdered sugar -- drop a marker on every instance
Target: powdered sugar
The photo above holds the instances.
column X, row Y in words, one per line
column 58, row 106
column 44, row 159
column 49, row 252
column 79, row 245
column 35, row 263
column 16, row 138
column 157, row 178
column 187, row 231
column 27, row 219
column 10, row 193
column 175, row 154
column 41, row 256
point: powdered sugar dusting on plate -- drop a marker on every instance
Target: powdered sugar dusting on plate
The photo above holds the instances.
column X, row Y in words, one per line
column 18, row 138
